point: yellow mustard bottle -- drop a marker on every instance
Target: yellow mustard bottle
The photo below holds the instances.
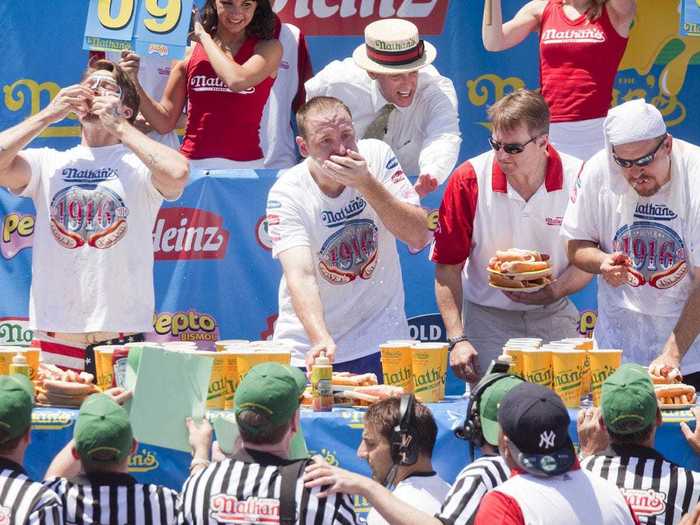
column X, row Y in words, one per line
column 321, row 384
column 20, row 365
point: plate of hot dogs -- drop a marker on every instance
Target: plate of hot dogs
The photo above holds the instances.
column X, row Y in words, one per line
column 519, row 270
column 671, row 393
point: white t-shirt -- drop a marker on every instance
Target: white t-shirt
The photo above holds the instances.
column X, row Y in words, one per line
column 662, row 238
column 425, row 136
column 355, row 257
column 92, row 264
column 424, row 493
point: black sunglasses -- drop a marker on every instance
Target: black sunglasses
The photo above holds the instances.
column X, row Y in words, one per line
column 641, row 161
column 510, row 149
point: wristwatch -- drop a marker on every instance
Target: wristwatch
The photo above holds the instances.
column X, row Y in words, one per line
column 452, row 341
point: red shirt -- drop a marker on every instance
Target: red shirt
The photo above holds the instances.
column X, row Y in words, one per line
column 221, row 123
column 578, row 63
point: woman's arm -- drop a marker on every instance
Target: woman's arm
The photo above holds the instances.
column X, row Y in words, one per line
column 498, row 36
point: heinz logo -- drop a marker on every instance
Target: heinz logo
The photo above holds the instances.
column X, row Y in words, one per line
column 189, row 233
column 349, row 17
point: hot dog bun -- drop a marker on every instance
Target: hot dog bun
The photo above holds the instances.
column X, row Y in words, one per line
column 677, row 394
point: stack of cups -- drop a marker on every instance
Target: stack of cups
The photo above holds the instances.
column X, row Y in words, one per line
column 603, row 363
column 514, row 348
column 567, row 371
column 222, row 344
column 429, row 364
column 397, row 363
column 585, row 344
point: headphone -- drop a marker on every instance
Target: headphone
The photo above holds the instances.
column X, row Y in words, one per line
column 471, row 429
column 404, row 445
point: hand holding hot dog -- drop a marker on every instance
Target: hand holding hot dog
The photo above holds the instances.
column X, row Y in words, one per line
column 75, row 98
column 614, row 268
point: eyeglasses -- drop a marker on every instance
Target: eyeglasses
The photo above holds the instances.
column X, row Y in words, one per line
column 641, row 161
column 510, row 149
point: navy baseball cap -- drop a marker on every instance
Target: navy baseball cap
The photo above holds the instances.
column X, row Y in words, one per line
column 536, row 422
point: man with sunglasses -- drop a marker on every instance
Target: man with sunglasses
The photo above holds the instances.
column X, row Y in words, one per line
column 634, row 219
column 513, row 196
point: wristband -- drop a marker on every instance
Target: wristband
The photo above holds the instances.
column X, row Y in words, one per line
column 452, row 341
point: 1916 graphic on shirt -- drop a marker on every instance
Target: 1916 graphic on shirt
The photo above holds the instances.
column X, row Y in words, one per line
column 350, row 252
column 88, row 214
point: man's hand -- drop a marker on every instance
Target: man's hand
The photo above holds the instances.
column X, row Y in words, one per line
column 425, row 185
column 668, row 364
column 693, row 436
column 592, row 435
column 335, row 479
column 109, row 110
column 692, row 518
column 76, row 98
column 349, row 170
column 327, row 346
column 463, row 361
column 130, row 62
column 119, row 395
column 614, row 268
column 546, row 295
column 200, row 436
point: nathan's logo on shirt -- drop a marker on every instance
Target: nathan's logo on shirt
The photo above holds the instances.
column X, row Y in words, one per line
column 88, row 214
column 189, row 233
column 229, row 509
column 144, row 460
column 5, row 516
column 654, row 212
column 553, row 221
column 262, row 230
column 573, row 36
column 657, row 253
column 92, row 175
column 645, row 502
column 337, row 218
column 202, row 83
column 393, row 162
column 350, row 252
column 398, row 176
column 17, row 234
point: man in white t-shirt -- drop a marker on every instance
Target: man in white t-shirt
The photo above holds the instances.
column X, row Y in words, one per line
column 92, row 263
column 395, row 95
column 334, row 220
column 634, row 219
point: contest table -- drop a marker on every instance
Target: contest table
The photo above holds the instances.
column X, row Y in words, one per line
column 334, row 435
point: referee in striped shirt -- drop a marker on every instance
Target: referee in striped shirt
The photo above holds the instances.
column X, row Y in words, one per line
column 22, row 501
column 658, row 491
column 247, row 488
column 90, row 474
column 472, row 484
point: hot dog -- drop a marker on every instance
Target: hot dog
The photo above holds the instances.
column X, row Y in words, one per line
column 353, row 380
column 675, row 394
column 523, row 266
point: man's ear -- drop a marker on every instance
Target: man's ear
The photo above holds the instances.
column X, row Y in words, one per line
column 134, row 446
column 127, row 112
column 74, row 453
column 371, row 75
column 303, row 150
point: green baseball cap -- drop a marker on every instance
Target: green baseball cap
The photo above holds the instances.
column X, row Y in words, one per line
column 272, row 390
column 102, row 431
column 489, row 403
column 16, row 400
column 628, row 401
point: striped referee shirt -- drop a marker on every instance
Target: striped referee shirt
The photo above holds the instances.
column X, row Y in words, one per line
column 658, row 491
column 112, row 498
column 26, row 502
column 233, row 491
column 472, row 484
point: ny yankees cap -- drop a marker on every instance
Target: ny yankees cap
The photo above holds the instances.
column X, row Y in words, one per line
column 628, row 401
column 16, row 399
column 536, row 423
column 102, row 432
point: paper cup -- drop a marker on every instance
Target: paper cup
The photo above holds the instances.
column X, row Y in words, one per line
column 248, row 358
column 567, row 371
column 103, row 365
column 603, row 364
column 525, row 341
column 581, row 343
column 429, row 365
column 219, row 381
column 223, row 343
column 516, row 356
column 397, row 364
column 537, row 366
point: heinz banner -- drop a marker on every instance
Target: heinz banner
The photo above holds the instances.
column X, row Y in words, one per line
column 215, row 277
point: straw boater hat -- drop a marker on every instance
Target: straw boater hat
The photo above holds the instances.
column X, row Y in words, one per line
column 392, row 45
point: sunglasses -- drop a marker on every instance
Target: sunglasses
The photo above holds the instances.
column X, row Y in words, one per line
column 641, row 161
column 510, row 149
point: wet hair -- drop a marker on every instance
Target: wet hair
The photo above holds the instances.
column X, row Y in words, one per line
column 262, row 25
column 522, row 107
column 384, row 415
column 130, row 96
column 316, row 105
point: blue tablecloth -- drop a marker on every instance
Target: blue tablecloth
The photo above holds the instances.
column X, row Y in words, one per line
column 335, row 435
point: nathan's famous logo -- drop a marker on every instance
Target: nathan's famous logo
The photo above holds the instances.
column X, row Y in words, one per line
column 651, row 211
column 189, row 233
column 587, row 322
column 350, row 252
column 350, row 17
column 645, row 502
column 88, row 214
column 262, row 231
column 598, row 377
column 187, row 326
column 89, row 175
column 17, row 233
column 225, row 508
column 51, row 420
column 143, row 460
column 337, row 218
column 203, row 83
column 573, row 36
column 657, row 253
column 15, row 331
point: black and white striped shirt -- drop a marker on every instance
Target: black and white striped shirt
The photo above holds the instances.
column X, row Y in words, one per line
column 658, row 491
column 26, row 502
column 114, row 499
column 471, row 485
column 233, row 491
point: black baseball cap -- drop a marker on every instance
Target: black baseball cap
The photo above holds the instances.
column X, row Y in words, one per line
column 536, row 423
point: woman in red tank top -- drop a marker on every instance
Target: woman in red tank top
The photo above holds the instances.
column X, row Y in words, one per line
column 226, row 79
column 581, row 46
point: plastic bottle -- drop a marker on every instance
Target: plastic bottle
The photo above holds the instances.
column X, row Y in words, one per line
column 19, row 365
column 321, row 384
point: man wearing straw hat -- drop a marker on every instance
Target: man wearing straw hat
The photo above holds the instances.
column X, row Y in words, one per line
column 395, row 95
column 634, row 219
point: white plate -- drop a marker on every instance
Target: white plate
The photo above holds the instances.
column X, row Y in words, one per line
column 524, row 276
column 529, row 289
